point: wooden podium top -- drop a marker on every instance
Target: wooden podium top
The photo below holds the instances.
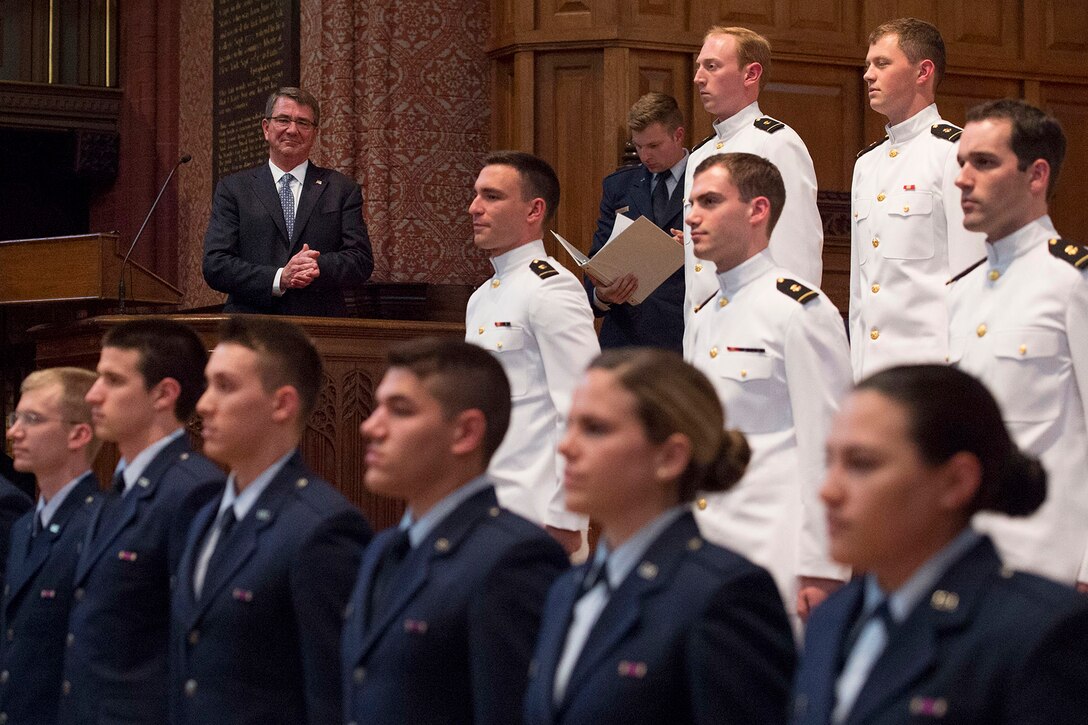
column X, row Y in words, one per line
column 80, row 269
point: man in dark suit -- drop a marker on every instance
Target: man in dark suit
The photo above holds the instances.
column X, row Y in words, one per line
column 268, row 566
column 13, row 504
column 287, row 237
column 150, row 375
column 8, row 475
column 653, row 189
column 52, row 438
column 441, row 625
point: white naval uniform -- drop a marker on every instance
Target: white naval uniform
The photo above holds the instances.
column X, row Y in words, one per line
column 1020, row 324
column 541, row 330
column 907, row 240
column 798, row 237
column 781, row 369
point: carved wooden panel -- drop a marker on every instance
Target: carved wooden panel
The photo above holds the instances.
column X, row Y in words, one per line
column 663, row 16
column 568, row 15
column 1056, row 35
column 759, row 15
column 1070, row 104
column 959, row 93
column 569, row 129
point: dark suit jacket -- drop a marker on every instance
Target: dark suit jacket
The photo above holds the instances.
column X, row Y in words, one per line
column 1003, row 648
column 453, row 641
column 25, row 482
column 13, row 504
column 247, row 242
column 116, row 667
column 659, row 320
column 37, row 596
column 261, row 645
column 695, row 634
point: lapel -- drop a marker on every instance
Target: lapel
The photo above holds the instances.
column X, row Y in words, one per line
column 441, row 544
column 264, row 188
column 113, row 516
column 550, row 649
column 245, row 538
column 823, row 650
column 312, row 189
column 913, row 648
column 198, row 530
column 624, row 608
column 27, row 564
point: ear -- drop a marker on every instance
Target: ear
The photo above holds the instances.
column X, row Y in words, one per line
column 759, row 210
column 673, row 456
column 926, row 71
column 165, row 394
column 962, row 475
column 285, row 404
column 537, row 211
column 678, row 135
column 1039, row 176
column 79, row 436
column 752, row 73
column 468, row 431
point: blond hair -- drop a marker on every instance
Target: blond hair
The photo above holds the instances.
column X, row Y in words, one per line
column 72, row 406
column 751, row 48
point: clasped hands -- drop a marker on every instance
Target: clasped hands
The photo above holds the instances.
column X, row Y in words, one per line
column 301, row 269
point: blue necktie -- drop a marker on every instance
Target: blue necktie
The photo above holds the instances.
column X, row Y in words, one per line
column 287, row 201
column 660, row 199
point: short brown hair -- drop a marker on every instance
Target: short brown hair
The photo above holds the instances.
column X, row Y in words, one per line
column 297, row 95
column 918, row 40
column 654, row 108
column 538, row 178
column 753, row 176
column 751, row 48
column 1035, row 134
column 74, row 384
column 671, row 397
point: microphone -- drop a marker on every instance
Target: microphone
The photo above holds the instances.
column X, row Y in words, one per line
column 185, row 158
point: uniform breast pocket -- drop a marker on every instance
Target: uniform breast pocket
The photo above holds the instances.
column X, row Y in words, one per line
column 910, row 231
column 510, row 344
column 1028, row 366
column 754, row 396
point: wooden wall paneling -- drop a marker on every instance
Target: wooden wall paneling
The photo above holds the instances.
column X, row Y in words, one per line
column 759, row 15
column 817, row 26
column 503, row 111
column 959, row 93
column 569, row 129
column 572, row 15
column 663, row 72
column 1056, row 36
column 1069, row 103
column 820, row 103
column 616, row 99
column 662, row 16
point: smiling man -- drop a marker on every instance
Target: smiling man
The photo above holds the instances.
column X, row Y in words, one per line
column 532, row 314
column 907, row 236
column 150, row 374
column 445, row 612
column 268, row 566
column 730, row 71
column 1020, row 324
column 774, row 347
column 288, row 236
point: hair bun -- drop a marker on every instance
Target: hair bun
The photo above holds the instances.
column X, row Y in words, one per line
column 729, row 464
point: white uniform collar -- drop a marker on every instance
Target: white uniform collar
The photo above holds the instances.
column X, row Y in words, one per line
column 920, row 122
column 1003, row 251
column 518, row 256
column 744, row 117
column 747, row 271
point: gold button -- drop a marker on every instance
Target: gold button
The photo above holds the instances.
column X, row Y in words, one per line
column 723, row 302
column 893, row 153
column 744, row 373
column 359, row 675
column 906, row 209
column 875, row 288
column 499, row 346
column 493, row 512
column 881, row 197
column 874, row 333
column 994, row 274
column 698, row 266
column 719, row 145
column 495, row 283
column 190, row 687
column 70, row 640
column 701, row 504
column 194, row 636
column 981, row 329
column 1023, row 349
column 713, row 353
column 481, row 330
column 876, row 243
column 695, row 543
column 442, row 545
column 302, row 483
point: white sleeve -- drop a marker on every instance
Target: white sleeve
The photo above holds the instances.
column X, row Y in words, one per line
column 1076, row 330
column 797, row 242
column 818, row 376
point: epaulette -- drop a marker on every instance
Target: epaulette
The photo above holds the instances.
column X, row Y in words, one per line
column 946, row 131
column 713, row 135
column 796, row 290
column 702, row 304
column 870, row 147
column 542, row 269
column 1075, row 254
column 768, row 124
column 965, row 272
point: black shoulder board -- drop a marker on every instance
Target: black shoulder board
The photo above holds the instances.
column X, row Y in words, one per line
column 965, row 272
column 542, row 269
column 796, row 290
column 703, row 141
column 1075, row 254
column 946, row 131
column 768, row 124
column 870, row 147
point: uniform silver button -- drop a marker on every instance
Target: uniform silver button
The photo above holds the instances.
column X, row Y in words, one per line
column 190, row 688
column 359, row 675
column 70, row 640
